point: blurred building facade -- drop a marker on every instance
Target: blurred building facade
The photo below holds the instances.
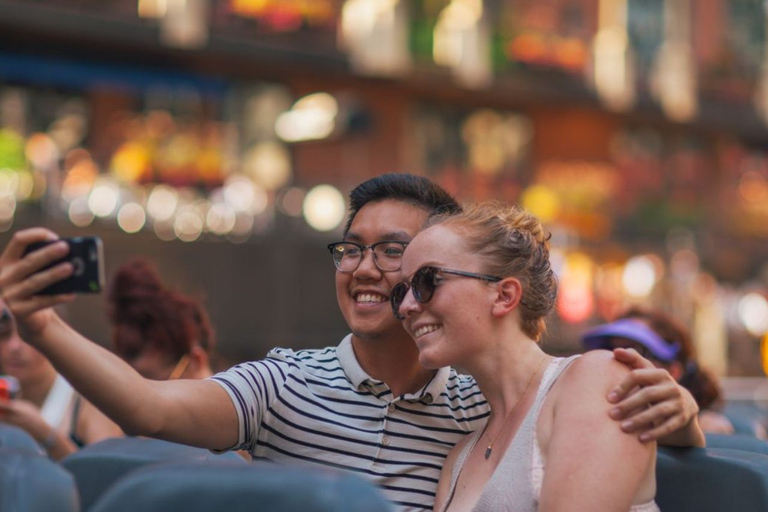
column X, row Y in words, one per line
column 219, row 137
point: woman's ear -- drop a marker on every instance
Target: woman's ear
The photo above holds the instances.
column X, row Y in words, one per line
column 509, row 291
column 199, row 363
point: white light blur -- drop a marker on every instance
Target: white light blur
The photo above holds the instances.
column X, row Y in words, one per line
column 7, row 208
column 613, row 58
column 131, row 217
column 374, row 33
column 164, row 230
column 313, row 117
column 27, row 185
column 462, row 42
column 324, row 207
column 188, row 225
column 639, row 276
column 243, row 225
column 79, row 213
column 162, row 202
column 9, row 182
column 753, row 313
column 244, row 195
column 220, row 219
column 103, row 198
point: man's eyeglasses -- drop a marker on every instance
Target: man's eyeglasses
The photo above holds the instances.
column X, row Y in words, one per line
column 424, row 282
column 387, row 254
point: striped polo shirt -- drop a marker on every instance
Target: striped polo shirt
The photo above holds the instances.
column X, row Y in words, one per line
column 320, row 407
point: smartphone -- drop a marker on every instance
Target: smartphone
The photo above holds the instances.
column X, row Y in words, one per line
column 9, row 387
column 87, row 256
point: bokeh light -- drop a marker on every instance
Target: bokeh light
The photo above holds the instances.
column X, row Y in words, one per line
column 324, row 208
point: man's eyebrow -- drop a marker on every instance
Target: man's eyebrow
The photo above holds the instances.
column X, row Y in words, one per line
column 396, row 236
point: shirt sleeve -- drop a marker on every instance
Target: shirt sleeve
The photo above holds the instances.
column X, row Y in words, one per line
column 253, row 387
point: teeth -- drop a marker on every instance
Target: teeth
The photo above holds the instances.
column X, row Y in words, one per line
column 370, row 298
column 425, row 329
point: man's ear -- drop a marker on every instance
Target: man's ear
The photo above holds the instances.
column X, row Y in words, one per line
column 509, row 291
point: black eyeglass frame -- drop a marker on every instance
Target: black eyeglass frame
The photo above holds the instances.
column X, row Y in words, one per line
column 372, row 247
column 397, row 297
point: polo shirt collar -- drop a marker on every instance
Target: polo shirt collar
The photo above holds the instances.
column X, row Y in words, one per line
column 357, row 375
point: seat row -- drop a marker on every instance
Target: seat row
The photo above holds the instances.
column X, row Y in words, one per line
column 125, row 474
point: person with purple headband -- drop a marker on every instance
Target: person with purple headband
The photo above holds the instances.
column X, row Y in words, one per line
column 668, row 344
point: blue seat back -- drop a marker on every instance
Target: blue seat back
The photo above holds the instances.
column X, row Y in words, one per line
column 211, row 487
column 14, row 438
column 699, row 480
column 737, row 442
column 33, row 483
column 96, row 467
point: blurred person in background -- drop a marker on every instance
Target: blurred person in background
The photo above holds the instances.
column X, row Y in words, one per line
column 366, row 405
column 162, row 333
column 668, row 344
column 48, row 409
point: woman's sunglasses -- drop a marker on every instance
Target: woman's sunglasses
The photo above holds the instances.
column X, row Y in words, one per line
column 424, row 282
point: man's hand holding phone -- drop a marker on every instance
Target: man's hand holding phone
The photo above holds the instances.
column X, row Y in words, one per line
column 23, row 275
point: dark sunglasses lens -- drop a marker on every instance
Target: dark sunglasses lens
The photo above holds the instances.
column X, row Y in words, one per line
column 398, row 295
column 424, row 284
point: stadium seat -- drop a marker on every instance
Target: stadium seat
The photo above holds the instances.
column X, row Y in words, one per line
column 737, row 442
column 215, row 486
column 747, row 418
column 14, row 438
column 33, row 483
column 698, row 480
column 96, row 467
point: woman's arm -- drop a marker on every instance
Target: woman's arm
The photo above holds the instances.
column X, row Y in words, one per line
column 444, row 485
column 590, row 464
column 649, row 402
column 193, row 412
column 92, row 426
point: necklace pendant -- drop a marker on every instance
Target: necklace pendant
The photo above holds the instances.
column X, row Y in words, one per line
column 488, row 452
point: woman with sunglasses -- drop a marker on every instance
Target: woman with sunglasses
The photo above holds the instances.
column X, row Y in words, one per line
column 162, row 333
column 479, row 285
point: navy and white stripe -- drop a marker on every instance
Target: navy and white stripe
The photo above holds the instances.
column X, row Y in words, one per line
column 319, row 407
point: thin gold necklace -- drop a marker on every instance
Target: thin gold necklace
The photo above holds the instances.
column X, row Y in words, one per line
column 489, row 449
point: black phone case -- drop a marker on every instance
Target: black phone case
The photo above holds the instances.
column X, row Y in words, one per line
column 85, row 255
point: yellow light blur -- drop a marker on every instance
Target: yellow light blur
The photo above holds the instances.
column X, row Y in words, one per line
column 42, row 151
column 542, row 201
column 753, row 187
column 269, row 164
column 79, row 179
column 324, row 208
column 152, row 9
column 131, row 217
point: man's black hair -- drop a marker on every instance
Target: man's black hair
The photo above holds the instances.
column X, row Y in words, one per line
column 416, row 190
